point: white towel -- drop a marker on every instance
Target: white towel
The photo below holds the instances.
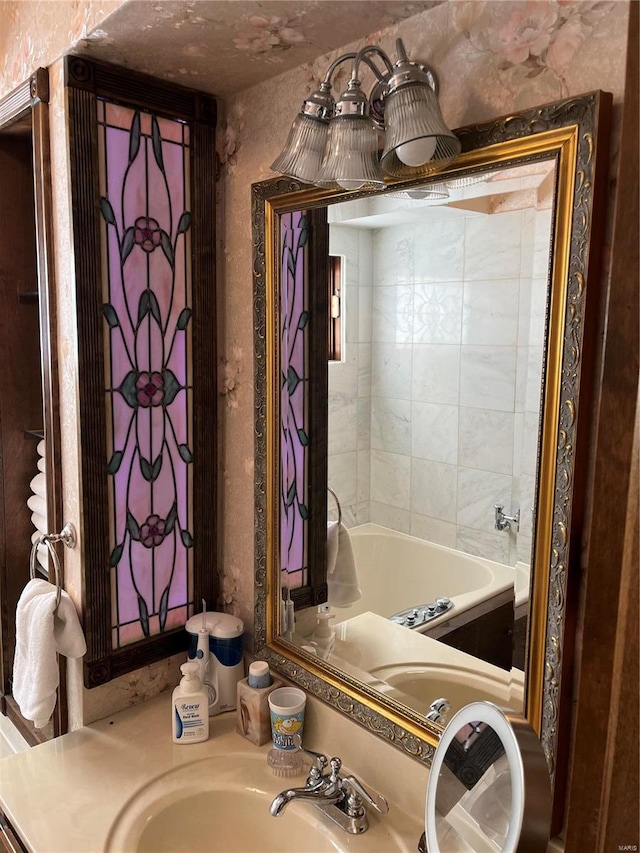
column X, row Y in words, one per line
column 43, row 551
column 42, row 465
column 38, row 505
column 39, row 485
column 41, row 448
column 41, row 631
column 39, row 522
column 342, row 577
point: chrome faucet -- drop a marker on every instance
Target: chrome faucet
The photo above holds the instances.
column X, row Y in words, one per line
column 341, row 798
column 438, row 710
column 504, row 522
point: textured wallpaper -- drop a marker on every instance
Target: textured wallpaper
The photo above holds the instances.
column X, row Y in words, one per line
column 33, row 33
column 491, row 58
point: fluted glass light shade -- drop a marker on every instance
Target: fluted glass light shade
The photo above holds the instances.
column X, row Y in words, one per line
column 434, row 192
column 302, row 155
column 417, row 139
column 351, row 157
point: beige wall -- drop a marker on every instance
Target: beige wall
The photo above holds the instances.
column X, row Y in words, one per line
column 34, row 33
column 486, row 69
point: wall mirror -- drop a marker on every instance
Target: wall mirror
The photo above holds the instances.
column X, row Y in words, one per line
column 446, row 429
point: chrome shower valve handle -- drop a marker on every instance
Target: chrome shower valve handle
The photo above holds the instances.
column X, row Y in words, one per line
column 504, row 522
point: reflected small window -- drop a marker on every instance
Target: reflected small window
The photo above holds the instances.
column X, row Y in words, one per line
column 335, row 308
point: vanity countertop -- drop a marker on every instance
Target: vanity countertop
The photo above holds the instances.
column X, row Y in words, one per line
column 65, row 794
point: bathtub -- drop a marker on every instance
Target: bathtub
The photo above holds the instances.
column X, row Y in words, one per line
column 397, row 571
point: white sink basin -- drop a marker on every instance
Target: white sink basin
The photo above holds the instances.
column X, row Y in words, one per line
column 221, row 805
column 420, row 684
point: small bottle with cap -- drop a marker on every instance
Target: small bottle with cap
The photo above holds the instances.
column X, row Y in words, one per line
column 252, row 717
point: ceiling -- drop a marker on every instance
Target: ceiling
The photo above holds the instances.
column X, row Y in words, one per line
column 225, row 46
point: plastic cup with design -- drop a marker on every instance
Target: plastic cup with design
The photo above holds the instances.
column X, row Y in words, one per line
column 286, row 706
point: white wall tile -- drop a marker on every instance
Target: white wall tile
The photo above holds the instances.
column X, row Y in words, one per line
column 343, row 378
column 491, row 546
column 363, row 479
column 341, row 477
column 390, row 516
column 364, row 370
column 441, row 315
column 434, row 432
column 365, row 314
column 363, row 429
column 436, row 373
column 434, row 489
column 542, row 244
column 492, row 246
column 365, row 257
column 524, row 311
column 391, row 370
column 393, row 314
column 342, row 436
column 437, row 312
column 530, row 441
column 538, row 319
column 527, row 242
column 390, row 478
column 486, row 440
column 488, row 377
column 393, row 256
column 490, row 312
column 478, row 493
column 433, row 530
column 439, row 252
column 391, row 425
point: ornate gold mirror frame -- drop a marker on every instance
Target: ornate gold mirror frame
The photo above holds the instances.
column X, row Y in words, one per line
column 574, row 133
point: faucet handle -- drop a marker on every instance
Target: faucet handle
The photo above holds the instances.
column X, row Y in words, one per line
column 319, row 760
column 376, row 801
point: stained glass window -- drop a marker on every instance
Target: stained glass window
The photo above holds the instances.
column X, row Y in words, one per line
column 294, row 403
column 145, row 208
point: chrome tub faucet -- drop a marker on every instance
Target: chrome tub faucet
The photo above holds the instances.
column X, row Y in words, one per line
column 342, row 798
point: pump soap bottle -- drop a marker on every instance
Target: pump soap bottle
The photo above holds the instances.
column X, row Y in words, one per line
column 253, row 719
column 190, row 707
column 323, row 637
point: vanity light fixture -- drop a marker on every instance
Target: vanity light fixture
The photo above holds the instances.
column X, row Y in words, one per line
column 337, row 144
column 434, row 192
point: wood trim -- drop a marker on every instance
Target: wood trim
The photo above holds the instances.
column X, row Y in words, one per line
column 603, row 556
column 203, row 236
column 619, row 822
column 29, row 732
column 317, row 270
column 98, row 671
column 10, row 841
column 133, row 88
column 94, row 535
column 33, row 91
column 49, row 352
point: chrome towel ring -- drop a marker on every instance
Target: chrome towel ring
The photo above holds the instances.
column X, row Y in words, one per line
column 335, row 497
column 66, row 535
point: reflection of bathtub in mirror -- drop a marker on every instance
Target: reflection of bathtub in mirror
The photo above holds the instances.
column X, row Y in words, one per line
column 397, row 571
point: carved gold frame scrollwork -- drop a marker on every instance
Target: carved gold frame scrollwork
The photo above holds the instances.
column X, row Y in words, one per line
column 574, row 132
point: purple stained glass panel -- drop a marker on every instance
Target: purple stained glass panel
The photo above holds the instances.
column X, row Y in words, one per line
column 294, row 376
column 145, row 208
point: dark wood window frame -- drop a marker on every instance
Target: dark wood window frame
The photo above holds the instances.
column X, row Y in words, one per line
column 86, row 83
column 335, row 307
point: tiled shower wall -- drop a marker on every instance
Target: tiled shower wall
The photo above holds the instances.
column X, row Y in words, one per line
column 434, row 411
